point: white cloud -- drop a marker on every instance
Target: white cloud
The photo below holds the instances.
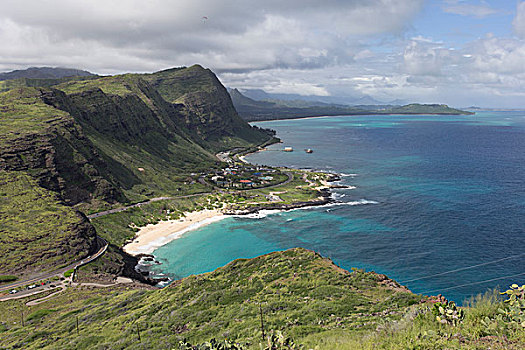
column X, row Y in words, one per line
column 237, row 35
column 480, row 10
column 519, row 20
column 334, row 47
column 425, row 58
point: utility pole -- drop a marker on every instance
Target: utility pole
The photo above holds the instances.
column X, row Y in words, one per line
column 22, row 315
column 77, row 326
column 138, row 331
column 262, row 322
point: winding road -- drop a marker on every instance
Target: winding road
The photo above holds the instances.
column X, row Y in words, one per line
column 102, row 243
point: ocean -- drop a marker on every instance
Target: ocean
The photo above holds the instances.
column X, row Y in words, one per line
column 438, row 203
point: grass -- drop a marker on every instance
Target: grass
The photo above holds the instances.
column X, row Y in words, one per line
column 120, row 227
column 302, row 295
column 7, row 278
column 35, row 225
column 23, row 113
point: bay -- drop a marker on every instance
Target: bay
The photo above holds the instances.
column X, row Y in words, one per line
column 433, row 194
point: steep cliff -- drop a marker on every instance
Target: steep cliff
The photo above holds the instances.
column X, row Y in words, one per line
column 206, row 106
column 37, row 231
column 103, row 141
column 48, row 144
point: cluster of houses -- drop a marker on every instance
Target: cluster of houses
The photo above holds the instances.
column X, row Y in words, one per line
column 243, row 176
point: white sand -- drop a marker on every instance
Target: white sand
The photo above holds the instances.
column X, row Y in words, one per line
column 154, row 236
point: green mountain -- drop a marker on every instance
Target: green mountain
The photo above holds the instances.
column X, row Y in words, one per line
column 45, row 73
column 300, row 293
column 104, row 141
column 299, row 299
column 254, row 110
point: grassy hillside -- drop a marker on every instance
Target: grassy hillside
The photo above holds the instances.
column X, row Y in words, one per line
column 300, row 295
column 416, row 108
column 208, row 108
column 100, row 142
column 48, row 144
column 44, row 73
column 37, row 231
column 123, row 141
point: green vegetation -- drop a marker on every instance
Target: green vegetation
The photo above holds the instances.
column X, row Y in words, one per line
column 101, row 142
column 416, row 108
column 45, row 73
column 36, row 229
column 448, row 313
column 300, row 293
column 120, row 227
column 7, row 278
column 39, row 314
column 304, row 299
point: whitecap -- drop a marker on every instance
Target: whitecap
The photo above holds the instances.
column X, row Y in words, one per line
column 260, row 214
column 360, row 202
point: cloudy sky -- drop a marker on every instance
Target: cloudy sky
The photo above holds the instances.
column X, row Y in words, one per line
column 459, row 52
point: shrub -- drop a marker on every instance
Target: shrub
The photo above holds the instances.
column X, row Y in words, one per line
column 7, row 278
column 448, row 313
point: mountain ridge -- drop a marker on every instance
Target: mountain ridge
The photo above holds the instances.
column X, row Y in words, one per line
column 44, row 73
column 256, row 110
column 107, row 141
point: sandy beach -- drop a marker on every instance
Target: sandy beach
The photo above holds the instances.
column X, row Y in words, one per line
column 154, row 236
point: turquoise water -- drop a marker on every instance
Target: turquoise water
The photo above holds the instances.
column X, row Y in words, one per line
column 433, row 194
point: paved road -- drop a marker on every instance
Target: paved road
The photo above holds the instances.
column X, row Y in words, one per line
column 202, row 180
column 103, row 243
column 118, row 210
column 102, row 250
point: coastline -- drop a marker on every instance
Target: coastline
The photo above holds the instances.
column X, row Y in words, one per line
column 153, row 236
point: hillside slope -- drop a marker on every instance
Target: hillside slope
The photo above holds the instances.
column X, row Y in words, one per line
column 299, row 292
column 206, row 106
column 106, row 141
column 38, row 232
column 45, row 73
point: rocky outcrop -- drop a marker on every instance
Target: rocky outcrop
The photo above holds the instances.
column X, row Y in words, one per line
column 205, row 104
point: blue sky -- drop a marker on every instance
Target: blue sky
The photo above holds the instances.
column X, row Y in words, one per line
column 459, row 52
column 459, row 22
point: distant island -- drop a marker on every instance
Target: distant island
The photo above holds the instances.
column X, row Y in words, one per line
column 258, row 110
